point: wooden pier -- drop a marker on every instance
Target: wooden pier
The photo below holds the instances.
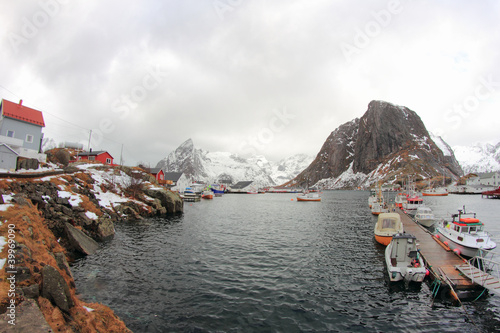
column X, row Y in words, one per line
column 440, row 260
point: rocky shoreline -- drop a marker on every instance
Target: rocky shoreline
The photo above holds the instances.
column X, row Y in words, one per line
column 50, row 220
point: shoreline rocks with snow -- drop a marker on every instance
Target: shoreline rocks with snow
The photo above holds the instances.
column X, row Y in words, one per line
column 65, row 216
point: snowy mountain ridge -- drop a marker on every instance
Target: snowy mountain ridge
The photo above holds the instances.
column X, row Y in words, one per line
column 479, row 157
column 215, row 167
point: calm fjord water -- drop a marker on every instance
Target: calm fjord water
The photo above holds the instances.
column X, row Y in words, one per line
column 267, row 263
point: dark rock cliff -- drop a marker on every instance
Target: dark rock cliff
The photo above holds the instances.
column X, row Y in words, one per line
column 387, row 143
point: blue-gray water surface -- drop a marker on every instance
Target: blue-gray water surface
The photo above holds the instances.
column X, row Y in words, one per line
column 267, row 263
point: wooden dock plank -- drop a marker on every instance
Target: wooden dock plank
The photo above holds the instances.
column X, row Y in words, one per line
column 434, row 254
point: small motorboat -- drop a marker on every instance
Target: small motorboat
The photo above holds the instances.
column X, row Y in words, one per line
column 403, row 260
column 465, row 234
column 309, row 196
column 388, row 224
column 207, row 194
column 425, row 217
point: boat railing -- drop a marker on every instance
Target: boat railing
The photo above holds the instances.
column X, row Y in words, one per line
column 487, row 265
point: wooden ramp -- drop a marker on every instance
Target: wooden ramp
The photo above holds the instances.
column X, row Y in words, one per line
column 438, row 258
column 486, row 280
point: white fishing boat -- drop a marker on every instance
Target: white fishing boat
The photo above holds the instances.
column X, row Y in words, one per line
column 207, row 194
column 413, row 200
column 403, row 260
column 425, row 216
column 388, row 224
column 400, row 200
column 372, row 198
column 378, row 205
column 412, row 203
column 309, row 196
column 465, row 234
column 435, row 192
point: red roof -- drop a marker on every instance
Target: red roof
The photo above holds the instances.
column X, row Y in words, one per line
column 23, row 113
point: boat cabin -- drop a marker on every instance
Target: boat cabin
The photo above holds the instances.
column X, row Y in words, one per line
column 467, row 225
column 404, row 249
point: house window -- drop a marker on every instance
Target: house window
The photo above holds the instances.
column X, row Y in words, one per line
column 10, row 133
column 29, row 138
column 91, row 158
column 108, row 161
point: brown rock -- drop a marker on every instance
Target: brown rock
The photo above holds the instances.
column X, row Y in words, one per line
column 55, row 288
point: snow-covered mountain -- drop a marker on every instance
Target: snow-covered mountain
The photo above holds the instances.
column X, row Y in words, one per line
column 214, row 167
column 480, row 157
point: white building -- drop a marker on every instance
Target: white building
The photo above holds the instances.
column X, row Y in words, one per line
column 21, row 130
column 487, row 178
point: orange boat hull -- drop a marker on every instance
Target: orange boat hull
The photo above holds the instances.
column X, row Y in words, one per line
column 384, row 240
column 301, row 199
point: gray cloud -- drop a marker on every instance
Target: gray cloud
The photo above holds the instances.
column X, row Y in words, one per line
column 149, row 75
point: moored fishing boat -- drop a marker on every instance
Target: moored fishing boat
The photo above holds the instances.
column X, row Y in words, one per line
column 388, row 224
column 379, row 208
column 372, row 198
column 309, row 196
column 400, row 200
column 424, row 216
column 412, row 203
column 378, row 205
column 435, row 192
column 207, row 194
column 465, row 234
column 403, row 260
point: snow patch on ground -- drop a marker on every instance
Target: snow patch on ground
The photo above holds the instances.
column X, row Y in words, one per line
column 91, row 215
column 74, row 199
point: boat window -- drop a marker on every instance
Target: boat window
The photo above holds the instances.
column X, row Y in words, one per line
column 479, row 240
column 465, row 229
column 460, row 238
column 388, row 223
column 472, row 229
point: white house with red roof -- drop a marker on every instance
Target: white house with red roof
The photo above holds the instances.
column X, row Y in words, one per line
column 21, row 129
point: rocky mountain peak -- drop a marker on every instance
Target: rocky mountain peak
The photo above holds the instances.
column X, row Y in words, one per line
column 385, row 129
column 388, row 142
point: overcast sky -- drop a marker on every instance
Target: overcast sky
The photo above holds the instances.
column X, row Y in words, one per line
column 248, row 76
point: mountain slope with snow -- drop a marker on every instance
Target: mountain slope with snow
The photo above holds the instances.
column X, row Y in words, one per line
column 386, row 144
column 480, row 157
column 214, row 167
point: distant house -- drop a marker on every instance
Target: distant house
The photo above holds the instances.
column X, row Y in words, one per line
column 486, row 178
column 8, row 157
column 101, row 156
column 158, row 173
column 21, row 129
column 177, row 181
